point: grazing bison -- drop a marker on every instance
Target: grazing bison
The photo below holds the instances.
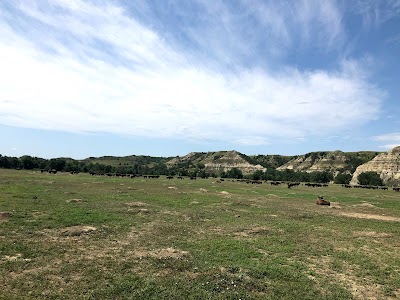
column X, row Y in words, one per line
column 292, row 184
column 275, row 183
column 322, row 201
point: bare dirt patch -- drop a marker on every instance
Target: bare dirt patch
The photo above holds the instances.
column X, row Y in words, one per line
column 371, row 217
column 74, row 200
column 335, row 205
column 15, row 257
column 360, row 288
column 162, row 253
column 203, row 190
column 226, row 194
column 372, row 234
column 4, row 215
column 77, row 230
column 252, row 232
column 136, row 204
column 215, row 230
column 142, row 211
column 365, row 204
column 135, row 233
column 272, row 196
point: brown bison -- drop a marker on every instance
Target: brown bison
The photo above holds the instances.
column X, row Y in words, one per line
column 322, row 201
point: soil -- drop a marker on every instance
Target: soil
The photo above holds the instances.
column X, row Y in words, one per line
column 371, row 217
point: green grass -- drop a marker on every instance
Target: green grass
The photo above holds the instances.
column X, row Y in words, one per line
column 183, row 239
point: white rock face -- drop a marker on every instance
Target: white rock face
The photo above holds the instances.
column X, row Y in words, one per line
column 331, row 161
column 219, row 161
column 230, row 160
column 387, row 165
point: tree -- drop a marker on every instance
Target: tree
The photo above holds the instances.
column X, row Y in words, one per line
column 203, row 174
column 369, row 178
column 57, row 164
column 4, row 163
column 27, row 162
column 234, row 173
column 343, row 179
column 321, row 177
column 257, row 175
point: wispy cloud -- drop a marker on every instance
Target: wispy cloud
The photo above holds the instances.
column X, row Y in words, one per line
column 251, row 141
column 83, row 67
column 375, row 13
column 392, row 138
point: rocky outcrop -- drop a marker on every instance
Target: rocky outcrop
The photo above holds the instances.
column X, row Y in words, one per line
column 387, row 165
column 317, row 162
column 271, row 161
column 217, row 162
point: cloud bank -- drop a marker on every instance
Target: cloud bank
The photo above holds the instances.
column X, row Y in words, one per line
column 83, row 67
column 392, row 138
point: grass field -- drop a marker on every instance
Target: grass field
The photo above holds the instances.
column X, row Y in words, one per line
column 83, row 237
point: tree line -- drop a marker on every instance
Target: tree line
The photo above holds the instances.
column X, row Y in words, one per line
column 183, row 169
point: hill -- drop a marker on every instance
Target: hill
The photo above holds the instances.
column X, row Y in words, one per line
column 217, row 162
column 387, row 165
column 271, row 161
column 130, row 160
column 305, row 167
column 331, row 161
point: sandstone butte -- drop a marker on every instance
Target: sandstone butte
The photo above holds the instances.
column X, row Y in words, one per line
column 387, row 165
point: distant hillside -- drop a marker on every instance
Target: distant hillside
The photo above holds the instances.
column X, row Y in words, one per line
column 127, row 161
column 332, row 161
column 307, row 167
column 387, row 165
column 222, row 161
column 271, row 161
column 217, row 162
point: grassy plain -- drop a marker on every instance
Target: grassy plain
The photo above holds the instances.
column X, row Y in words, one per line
column 84, row 237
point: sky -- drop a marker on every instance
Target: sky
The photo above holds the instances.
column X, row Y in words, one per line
column 165, row 78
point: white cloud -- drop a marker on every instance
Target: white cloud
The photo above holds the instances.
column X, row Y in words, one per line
column 93, row 68
column 251, row 140
column 392, row 138
column 375, row 13
column 395, row 136
column 389, row 146
column 301, row 23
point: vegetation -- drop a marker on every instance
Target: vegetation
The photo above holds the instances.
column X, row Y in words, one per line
column 193, row 164
column 343, row 179
column 356, row 159
column 370, row 178
column 271, row 161
column 99, row 237
column 234, row 173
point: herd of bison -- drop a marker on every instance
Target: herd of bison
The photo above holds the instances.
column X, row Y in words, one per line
column 248, row 181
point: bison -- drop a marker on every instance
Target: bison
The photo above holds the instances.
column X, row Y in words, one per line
column 322, row 201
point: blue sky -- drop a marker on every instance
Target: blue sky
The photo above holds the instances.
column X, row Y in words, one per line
column 164, row 78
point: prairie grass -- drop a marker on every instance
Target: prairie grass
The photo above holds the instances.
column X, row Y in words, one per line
column 84, row 237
